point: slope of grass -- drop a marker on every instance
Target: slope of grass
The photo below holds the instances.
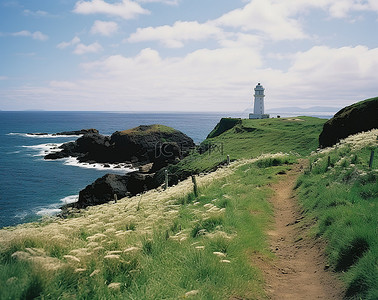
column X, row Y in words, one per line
column 159, row 245
column 251, row 138
column 341, row 192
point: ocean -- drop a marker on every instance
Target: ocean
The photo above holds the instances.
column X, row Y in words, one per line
column 31, row 187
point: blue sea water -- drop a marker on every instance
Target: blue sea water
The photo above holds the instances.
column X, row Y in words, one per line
column 31, row 186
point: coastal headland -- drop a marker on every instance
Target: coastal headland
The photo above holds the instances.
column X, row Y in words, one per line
column 221, row 235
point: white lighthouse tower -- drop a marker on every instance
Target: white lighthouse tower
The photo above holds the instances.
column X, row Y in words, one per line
column 258, row 108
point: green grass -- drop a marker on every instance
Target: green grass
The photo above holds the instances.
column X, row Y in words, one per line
column 145, row 130
column 229, row 217
column 251, row 138
column 340, row 191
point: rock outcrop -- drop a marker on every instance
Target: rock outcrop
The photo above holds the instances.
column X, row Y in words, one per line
column 151, row 143
column 150, row 147
column 103, row 190
column 75, row 132
column 78, row 132
column 224, row 125
column 156, row 144
column 358, row 117
column 91, row 147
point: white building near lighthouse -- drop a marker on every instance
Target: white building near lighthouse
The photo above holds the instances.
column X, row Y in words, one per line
column 258, row 107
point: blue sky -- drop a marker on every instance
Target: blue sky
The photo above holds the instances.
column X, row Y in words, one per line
column 186, row 55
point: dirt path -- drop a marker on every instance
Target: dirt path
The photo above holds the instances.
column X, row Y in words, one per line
column 299, row 272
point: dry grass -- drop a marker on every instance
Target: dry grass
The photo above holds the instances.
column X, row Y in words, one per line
column 113, row 227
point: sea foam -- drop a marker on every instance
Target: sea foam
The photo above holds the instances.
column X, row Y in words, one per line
column 54, row 209
column 48, row 211
column 43, row 136
column 120, row 168
column 44, row 149
column 70, row 199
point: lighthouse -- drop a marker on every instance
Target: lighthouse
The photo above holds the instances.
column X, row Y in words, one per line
column 258, row 108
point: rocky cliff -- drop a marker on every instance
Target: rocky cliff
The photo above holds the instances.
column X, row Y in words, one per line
column 358, row 117
column 141, row 145
column 224, row 125
column 151, row 147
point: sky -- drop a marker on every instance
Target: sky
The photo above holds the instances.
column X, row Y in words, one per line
column 186, row 55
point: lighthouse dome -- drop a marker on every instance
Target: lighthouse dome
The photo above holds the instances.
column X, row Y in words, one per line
column 259, row 87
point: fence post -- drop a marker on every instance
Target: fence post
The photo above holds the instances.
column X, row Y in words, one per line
column 166, row 179
column 195, row 187
column 371, row 159
column 328, row 162
column 115, row 198
column 228, row 160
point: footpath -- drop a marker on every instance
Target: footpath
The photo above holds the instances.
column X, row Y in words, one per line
column 299, row 270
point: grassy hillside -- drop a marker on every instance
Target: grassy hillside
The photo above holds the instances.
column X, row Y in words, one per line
column 251, row 138
column 340, row 191
column 161, row 245
column 164, row 244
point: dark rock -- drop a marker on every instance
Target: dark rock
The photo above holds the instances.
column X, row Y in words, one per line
column 91, row 147
column 38, row 133
column 75, row 132
column 150, row 143
column 78, row 132
column 223, row 125
column 103, row 190
column 140, row 182
column 150, row 147
column 361, row 116
column 55, row 155
column 141, row 145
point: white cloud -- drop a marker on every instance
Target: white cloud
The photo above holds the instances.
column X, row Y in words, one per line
column 336, row 9
column 223, row 80
column 72, row 42
column 175, row 36
column 104, row 28
column 337, row 68
column 342, row 8
column 241, row 40
column 83, row 49
column 324, row 75
column 200, row 80
column 269, row 17
column 37, row 35
column 125, row 9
